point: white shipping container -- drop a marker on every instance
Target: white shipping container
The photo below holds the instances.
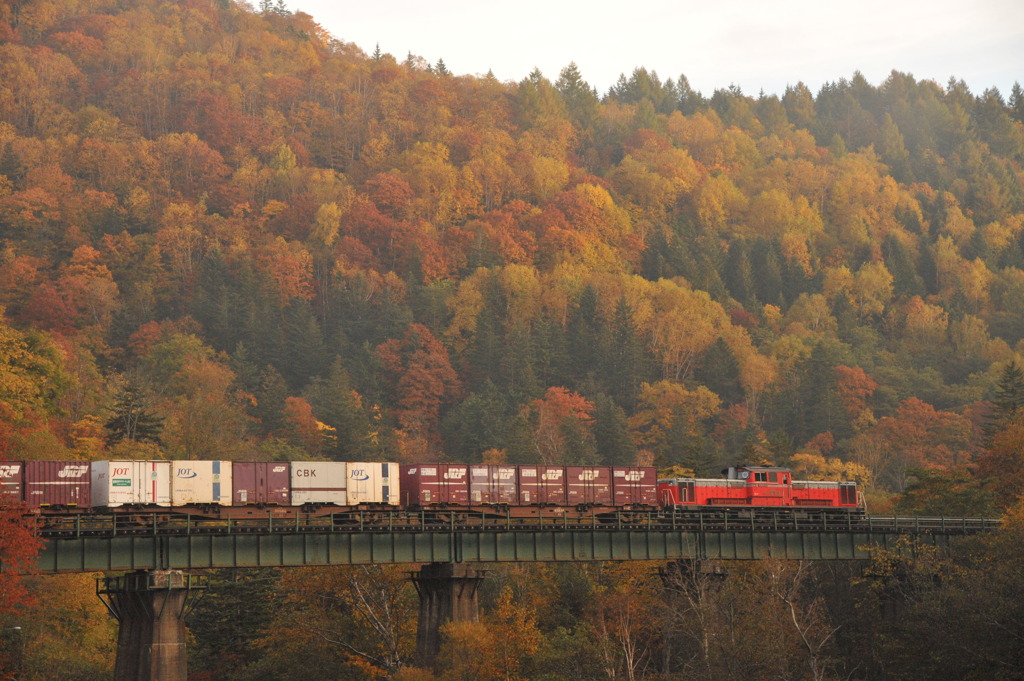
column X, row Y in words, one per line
column 201, row 482
column 372, row 483
column 116, row 483
column 319, row 482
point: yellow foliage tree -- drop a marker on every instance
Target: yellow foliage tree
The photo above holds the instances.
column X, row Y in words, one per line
column 872, row 288
column 624, row 614
column 663, row 405
column 812, row 465
column 496, row 649
column 680, row 322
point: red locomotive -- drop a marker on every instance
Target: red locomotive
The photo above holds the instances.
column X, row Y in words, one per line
column 757, row 486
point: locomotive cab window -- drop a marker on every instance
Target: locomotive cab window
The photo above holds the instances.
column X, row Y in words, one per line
column 760, row 476
column 773, row 477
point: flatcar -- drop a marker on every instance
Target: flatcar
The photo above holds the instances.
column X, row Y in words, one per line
column 218, row 489
column 525, row 487
column 200, row 487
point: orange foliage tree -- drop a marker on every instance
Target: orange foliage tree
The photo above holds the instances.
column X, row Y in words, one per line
column 917, row 435
column 312, row 435
column 1003, row 463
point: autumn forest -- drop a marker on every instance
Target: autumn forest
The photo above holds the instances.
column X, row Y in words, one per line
column 227, row 234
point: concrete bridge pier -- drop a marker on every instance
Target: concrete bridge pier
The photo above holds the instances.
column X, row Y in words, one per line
column 448, row 593
column 151, row 606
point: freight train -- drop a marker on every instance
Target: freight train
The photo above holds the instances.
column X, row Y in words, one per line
column 233, row 489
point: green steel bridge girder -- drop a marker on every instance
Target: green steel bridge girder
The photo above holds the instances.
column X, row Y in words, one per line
column 288, row 549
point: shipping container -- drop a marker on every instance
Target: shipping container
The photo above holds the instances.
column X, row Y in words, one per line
column 116, row 483
column 435, row 484
column 635, row 486
column 12, row 477
column 589, row 485
column 261, row 482
column 200, row 482
column 319, row 482
column 542, row 486
column 373, row 483
column 492, row 484
column 57, row 483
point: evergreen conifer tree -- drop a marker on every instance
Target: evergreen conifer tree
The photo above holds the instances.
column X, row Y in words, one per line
column 906, row 281
column 132, row 419
column 739, row 275
column 1008, row 400
column 611, row 431
column 1016, row 103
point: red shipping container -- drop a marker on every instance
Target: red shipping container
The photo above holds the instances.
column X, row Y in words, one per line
column 435, row 484
column 589, row 485
column 12, row 476
column 261, row 482
column 635, row 486
column 57, row 483
column 542, row 486
column 492, row 484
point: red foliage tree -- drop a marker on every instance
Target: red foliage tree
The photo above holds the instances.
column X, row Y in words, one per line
column 19, row 546
column 390, row 193
column 854, row 388
column 550, row 416
column 421, row 378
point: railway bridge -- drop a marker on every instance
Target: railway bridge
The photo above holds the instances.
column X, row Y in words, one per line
column 163, row 558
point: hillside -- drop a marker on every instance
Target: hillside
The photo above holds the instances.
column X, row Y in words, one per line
column 227, row 234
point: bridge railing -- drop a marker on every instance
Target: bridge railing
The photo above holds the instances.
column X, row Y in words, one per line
column 497, row 520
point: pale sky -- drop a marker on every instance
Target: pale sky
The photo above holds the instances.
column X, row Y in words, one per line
column 755, row 44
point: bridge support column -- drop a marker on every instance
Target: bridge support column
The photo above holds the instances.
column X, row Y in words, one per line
column 448, row 593
column 151, row 606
